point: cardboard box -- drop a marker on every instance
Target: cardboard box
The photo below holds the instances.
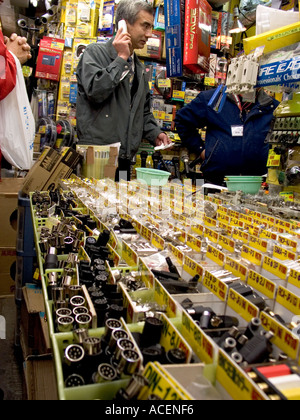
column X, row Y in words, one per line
column 110, row 171
column 112, row 164
column 197, row 36
column 34, row 332
column 51, row 167
column 67, row 163
column 8, row 258
column 9, row 189
column 40, row 380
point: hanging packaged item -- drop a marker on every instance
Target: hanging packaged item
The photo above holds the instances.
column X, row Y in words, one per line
column 159, row 20
column 106, row 18
column 248, row 10
column 197, row 36
column 46, row 127
column 153, row 47
column 173, row 38
column 87, row 19
column 65, row 134
column 50, row 58
column 17, row 125
column 269, row 19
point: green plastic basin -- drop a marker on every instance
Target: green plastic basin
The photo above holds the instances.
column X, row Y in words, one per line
column 152, row 177
column 246, row 184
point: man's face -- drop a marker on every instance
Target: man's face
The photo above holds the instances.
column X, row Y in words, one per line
column 141, row 30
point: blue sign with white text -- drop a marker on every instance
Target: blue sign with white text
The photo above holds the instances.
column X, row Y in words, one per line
column 279, row 73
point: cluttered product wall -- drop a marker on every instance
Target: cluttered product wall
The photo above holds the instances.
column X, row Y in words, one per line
column 179, row 281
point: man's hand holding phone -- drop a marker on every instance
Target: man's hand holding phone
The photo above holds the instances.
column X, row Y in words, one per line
column 122, row 41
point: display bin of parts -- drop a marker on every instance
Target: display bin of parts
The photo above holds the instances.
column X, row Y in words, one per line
column 100, row 363
column 280, row 382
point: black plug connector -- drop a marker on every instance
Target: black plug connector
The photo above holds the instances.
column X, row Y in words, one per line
column 258, row 348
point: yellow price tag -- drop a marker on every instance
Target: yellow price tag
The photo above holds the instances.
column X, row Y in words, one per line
column 236, row 382
column 241, row 305
column 216, row 286
column 283, row 337
column 202, row 345
column 252, row 255
column 294, row 278
column 289, row 300
column 236, row 268
column 262, row 284
column 275, row 267
column 273, row 159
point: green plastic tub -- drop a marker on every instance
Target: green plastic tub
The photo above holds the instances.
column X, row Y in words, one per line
column 246, row 184
column 104, row 391
column 152, row 177
column 244, row 178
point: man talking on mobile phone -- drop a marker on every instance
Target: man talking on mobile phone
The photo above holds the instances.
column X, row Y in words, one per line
column 113, row 103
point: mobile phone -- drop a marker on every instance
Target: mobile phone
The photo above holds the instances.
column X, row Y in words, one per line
column 122, row 25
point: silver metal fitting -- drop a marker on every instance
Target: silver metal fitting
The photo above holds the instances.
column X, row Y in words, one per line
column 111, row 325
column 79, row 335
column 65, row 324
column 129, row 363
column 62, row 312
column 237, row 357
column 77, row 301
column 83, row 321
column 92, row 346
column 80, row 310
column 136, row 384
column 115, row 336
column 122, row 344
column 105, row 373
column 58, row 293
column 52, row 279
column 74, row 380
column 74, row 290
column 74, row 354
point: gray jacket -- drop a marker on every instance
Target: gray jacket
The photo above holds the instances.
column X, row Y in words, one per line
column 105, row 114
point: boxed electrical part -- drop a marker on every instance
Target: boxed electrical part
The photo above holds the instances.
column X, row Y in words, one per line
column 197, row 36
column 50, row 169
column 153, row 47
column 173, row 38
column 50, row 58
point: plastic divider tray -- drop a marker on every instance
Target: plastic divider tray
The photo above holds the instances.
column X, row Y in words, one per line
column 104, row 391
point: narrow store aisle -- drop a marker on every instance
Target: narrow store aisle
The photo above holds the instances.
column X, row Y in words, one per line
column 11, row 376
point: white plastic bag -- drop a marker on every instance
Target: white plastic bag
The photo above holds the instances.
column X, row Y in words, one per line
column 17, row 125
